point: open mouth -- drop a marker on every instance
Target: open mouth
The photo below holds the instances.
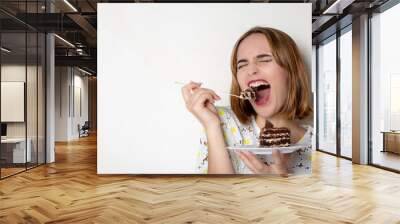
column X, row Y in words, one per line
column 259, row 92
column 262, row 93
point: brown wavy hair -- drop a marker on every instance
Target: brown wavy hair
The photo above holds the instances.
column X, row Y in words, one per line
column 287, row 55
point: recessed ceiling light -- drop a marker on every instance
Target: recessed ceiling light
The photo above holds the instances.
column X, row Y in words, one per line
column 84, row 71
column 70, row 5
column 338, row 6
column 64, row 40
column 5, row 50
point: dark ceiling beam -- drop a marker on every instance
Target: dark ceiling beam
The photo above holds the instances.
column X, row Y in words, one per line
column 91, row 5
column 83, row 61
column 49, row 22
column 11, row 25
column 86, row 51
column 22, row 58
column 16, row 18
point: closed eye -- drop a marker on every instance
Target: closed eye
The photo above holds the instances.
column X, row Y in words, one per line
column 241, row 66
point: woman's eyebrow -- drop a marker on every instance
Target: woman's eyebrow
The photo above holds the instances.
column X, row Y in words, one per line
column 241, row 60
column 263, row 56
column 258, row 57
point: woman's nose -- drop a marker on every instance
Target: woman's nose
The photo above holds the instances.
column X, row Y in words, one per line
column 253, row 69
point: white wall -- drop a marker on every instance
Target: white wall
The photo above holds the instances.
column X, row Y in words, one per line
column 68, row 81
column 143, row 48
column 61, row 103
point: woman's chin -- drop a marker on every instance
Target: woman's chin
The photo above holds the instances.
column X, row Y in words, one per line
column 263, row 111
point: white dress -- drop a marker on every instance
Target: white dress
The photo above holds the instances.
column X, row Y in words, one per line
column 237, row 133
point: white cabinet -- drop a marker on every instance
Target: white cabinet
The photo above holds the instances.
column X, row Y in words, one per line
column 18, row 149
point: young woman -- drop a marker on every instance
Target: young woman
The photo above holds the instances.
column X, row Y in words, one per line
column 261, row 56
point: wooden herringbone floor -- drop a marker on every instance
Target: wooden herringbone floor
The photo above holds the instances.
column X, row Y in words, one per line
column 70, row 191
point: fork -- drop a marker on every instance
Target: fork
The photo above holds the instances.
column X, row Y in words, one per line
column 240, row 97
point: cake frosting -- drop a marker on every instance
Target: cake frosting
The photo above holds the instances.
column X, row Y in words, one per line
column 274, row 137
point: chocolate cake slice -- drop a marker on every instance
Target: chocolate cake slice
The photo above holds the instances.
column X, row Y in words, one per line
column 248, row 94
column 251, row 92
column 274, row 137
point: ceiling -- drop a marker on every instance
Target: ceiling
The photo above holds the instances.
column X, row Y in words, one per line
column 76, row 22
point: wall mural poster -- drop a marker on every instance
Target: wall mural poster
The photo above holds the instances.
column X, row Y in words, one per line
column 204, row 89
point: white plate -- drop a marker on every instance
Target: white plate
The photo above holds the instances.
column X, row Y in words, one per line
column 256, row 149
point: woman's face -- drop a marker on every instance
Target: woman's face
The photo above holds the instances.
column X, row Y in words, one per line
column 257, row 67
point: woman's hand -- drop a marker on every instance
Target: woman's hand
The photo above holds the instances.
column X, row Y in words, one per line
column 200, row 102
column 258, row 167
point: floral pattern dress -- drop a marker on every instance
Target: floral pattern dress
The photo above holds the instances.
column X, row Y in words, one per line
column 237, row 133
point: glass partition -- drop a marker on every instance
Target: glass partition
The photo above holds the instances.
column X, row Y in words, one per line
column 346, row 93
column 32, row 95
column 41, row 111
column 385, row 89
column 22, row 77
column 327, row 96
column 14, row 153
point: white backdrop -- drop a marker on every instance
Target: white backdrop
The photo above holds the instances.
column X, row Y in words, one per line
column 143, row 125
